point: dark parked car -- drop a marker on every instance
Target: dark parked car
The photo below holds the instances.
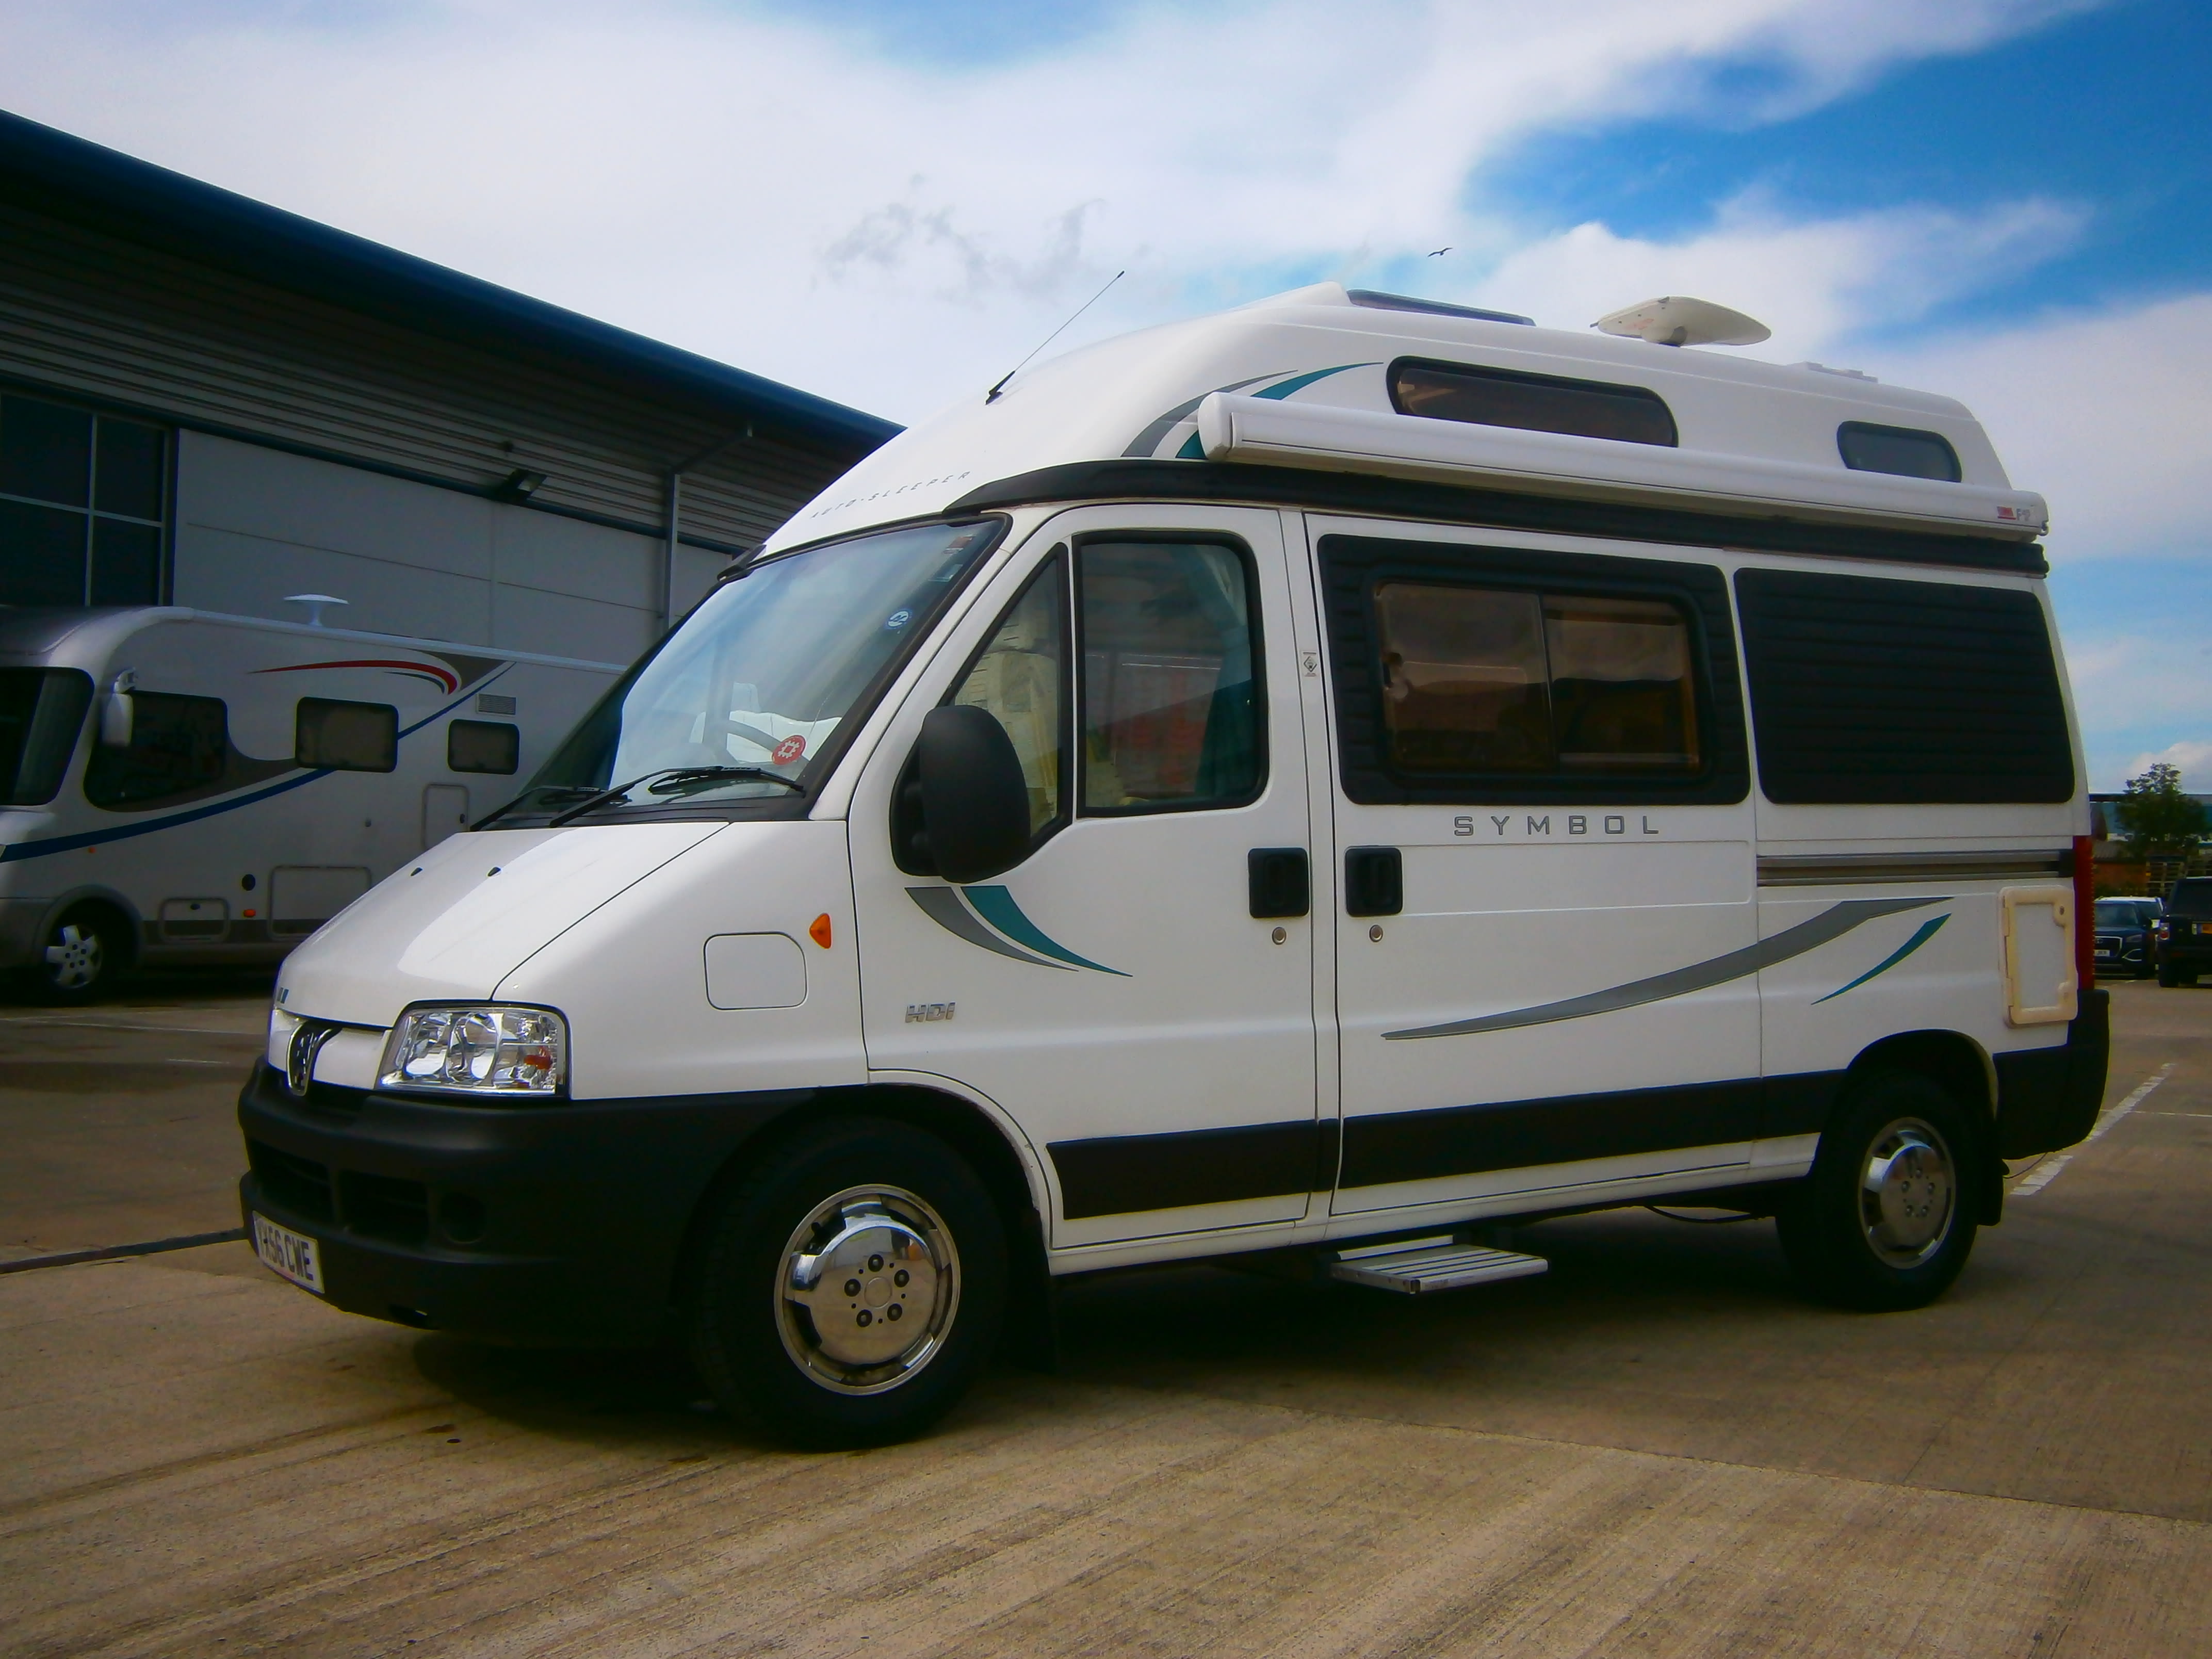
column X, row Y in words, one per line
column 2185, row 932
column 2127, row 936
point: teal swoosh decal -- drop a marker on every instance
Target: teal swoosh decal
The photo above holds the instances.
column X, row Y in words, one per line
column 1191, row 450
column 1141, row 446
column 996, row 906
column 1832, row 923
column 1300, row 382
column 942, row 905
column 1926, row 932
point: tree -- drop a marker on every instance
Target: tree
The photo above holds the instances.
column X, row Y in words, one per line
column 2154, row 816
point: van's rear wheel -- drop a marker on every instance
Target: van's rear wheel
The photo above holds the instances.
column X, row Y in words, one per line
column 1886, row 1220
column 82, row 955
column 851, row 1286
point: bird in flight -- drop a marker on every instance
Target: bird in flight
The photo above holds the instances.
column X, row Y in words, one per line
column 1434, row 253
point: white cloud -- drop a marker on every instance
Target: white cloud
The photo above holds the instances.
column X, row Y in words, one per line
column 892, row 235
column 2192, row 759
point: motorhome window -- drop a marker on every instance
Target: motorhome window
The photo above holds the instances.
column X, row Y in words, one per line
column 178, row 746
column 1170, row 699
column 1867, row 691
column 1478, row 680
column 1901, row 450
column 1019, row 676
column 82, row 506
column 482, row 746
column 767, row 673
column 345, row 737
column 1534, row 402
column 41, row 711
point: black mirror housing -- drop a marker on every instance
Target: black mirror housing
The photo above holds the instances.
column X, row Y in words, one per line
column 965, row 786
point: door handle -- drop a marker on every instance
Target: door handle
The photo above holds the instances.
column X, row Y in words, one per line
column 1374, row 881
column 1281, row 881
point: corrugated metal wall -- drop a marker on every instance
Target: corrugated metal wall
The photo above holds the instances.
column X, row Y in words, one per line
column 115, row 322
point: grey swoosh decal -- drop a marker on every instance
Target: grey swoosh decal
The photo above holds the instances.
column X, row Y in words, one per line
column 1146, row 442
column 1831, row 924
column 943, row 906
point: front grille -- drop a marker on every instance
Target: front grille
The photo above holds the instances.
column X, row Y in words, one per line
column 379, row 1206
column 299, row 1184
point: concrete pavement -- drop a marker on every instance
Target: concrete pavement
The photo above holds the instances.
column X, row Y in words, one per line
column 1656, row 1449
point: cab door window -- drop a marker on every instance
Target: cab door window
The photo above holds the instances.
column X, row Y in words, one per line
column 1171, row 715
column 1020, row 677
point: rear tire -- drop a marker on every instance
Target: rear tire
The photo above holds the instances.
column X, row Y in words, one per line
column 80, row 957
column 851, row 1286
column 1886, row 1220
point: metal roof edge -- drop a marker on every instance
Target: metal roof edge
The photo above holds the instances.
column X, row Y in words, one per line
column 46, row 171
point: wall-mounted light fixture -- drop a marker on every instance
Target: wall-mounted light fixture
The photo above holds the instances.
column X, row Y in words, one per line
column 519, row 485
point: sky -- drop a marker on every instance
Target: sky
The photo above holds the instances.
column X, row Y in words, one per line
column 889, row 202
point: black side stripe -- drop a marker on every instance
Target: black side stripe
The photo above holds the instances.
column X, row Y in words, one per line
column 1117, row 1174
column 1831, row 924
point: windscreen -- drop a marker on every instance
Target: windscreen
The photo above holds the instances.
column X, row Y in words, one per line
column 759, row 681
column 40, row 712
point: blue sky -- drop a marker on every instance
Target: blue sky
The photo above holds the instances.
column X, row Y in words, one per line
column 889, row 201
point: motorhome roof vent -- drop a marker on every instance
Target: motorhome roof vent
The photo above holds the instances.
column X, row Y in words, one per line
column 1674, row 319
column 1368, row 296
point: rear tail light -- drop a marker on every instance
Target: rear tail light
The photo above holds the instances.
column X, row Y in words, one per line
column 2085, row 910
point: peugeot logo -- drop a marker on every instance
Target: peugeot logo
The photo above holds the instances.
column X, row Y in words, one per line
column 307, row 1041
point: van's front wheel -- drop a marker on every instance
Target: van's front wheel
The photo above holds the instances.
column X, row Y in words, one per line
column 1886, row 1220
column 82, row 955
column 852, row 1285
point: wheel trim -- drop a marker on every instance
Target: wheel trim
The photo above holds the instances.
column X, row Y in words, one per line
column 1908, row 1192
column 867, row 1288
column 73, row 959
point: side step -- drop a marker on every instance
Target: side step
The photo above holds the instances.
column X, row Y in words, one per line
column 1415, row 1266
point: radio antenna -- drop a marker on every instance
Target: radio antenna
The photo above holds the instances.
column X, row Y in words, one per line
column 992, row 396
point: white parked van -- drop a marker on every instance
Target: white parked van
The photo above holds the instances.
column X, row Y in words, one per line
column 178, row 787
column 1322, row 778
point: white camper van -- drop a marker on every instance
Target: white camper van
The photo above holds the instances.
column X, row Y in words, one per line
column 178, row 787
column 1320, row 779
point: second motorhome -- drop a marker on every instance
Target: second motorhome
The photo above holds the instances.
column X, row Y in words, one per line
column 1323, row 779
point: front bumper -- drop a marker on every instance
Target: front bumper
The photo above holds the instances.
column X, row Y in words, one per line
column 552, row 1224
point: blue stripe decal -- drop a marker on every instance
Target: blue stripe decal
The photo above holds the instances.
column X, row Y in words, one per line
column 996, row 906
column 37, row 849
column 1925, row 932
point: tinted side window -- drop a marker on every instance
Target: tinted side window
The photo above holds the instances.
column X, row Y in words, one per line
column 1534, row 402
column 41, row 710
column 1898, row 449
column 346, row 737
column 1870, row 691
column 1478, row 674
column 1169, row 700
column 177, row 745
column 482, row 746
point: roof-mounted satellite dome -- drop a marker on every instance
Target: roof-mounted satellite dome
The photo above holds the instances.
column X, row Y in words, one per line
column 1675, row 319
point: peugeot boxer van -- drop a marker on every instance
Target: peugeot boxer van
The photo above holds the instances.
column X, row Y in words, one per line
column 1323, row 779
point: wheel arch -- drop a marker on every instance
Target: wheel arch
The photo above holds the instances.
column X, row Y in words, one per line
column 1963, row 1069
column 92, row 895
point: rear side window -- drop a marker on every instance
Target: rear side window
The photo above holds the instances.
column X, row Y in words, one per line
column 1876, row 692
column 346, row 737
column 482, row 746
column 1898, row 449
column 41, row 710
column 2192, row 899
column 178, row 747
column 1534, row 402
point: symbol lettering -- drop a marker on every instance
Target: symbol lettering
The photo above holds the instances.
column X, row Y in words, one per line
column 1614, row 825
column 1577, row 825
column 1540, row 826
column 789, row 749
column 1499, row 822
column 1464, row 825
column 1647, row 830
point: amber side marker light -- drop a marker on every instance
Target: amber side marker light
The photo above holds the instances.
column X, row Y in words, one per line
column 819, row 930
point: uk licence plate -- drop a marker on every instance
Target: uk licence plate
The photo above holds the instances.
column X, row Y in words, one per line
column 292, row 1254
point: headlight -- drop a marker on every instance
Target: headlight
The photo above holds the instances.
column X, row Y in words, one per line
column 503, row 1052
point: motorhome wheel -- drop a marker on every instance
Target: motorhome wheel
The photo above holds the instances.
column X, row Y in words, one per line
column 851, row 1285
column 1886, row 1220
column 82, row 955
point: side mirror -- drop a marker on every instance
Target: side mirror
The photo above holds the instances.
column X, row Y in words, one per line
column 964, row 812
column 117, row 713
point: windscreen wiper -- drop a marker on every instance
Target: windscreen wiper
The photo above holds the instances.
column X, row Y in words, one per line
column 541, row 789
column 672, row 775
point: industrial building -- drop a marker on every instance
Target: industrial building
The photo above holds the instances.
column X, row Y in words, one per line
column 207, row 401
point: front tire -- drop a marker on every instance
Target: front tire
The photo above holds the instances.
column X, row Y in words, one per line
column 851, row 1286
column 1886, row 1220
column 80, row 957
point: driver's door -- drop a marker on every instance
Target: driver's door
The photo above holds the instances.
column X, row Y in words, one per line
column 1112, row 993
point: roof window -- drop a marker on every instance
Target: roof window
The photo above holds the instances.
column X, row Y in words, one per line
column 1534, row 402
column 1898, row 449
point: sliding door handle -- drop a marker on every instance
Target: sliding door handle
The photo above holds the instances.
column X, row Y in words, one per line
column 1281, row 881
column 1374, row 881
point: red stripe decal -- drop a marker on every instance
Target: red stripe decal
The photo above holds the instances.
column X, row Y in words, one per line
column 444, row 677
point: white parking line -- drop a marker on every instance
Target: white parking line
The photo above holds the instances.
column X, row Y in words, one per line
column 2046, row 1172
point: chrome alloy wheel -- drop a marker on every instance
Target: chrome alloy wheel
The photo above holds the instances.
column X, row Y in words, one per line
column 869, row 1284
column 73, row 959
column 1908, row 1192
